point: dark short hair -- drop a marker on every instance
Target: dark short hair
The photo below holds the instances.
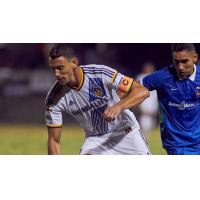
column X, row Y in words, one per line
column 62, row 50
column 183, row 46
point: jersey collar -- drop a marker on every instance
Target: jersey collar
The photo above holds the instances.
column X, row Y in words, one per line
column 82, row 80
column 192, row 77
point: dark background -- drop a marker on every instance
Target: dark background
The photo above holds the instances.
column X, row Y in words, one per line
column 25, row 77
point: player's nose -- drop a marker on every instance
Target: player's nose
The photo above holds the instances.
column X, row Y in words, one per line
column 180, row 68
column 56, row 73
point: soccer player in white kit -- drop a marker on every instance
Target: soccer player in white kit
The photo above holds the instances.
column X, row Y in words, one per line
column 90, row 93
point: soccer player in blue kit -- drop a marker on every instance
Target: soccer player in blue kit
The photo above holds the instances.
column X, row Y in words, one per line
column 178, row 89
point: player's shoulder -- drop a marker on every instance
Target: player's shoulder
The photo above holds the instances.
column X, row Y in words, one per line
column 159, row 78
column 197, row 74
column 98, row 69
column 166, row 70
column 55, row 94
column 164, row 73
column 198, row 70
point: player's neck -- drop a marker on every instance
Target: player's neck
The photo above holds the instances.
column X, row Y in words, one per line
column 76, row 78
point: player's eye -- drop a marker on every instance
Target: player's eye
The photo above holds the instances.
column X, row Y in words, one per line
column 60, row 68
column 184, row 61
column 176, row 62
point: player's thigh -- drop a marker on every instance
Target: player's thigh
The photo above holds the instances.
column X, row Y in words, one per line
column 134, row 143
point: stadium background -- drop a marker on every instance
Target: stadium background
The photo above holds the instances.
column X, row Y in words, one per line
column 25, row 80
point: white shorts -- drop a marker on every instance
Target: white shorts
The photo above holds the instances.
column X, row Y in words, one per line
column 132, row 143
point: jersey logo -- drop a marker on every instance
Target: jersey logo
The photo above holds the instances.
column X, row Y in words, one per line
column 181, row 106
column 198, row 91
column 96, row 89
column 71, row 103
column 48, row 116
column 198, row 94
column 174, row 89
column 98, row 92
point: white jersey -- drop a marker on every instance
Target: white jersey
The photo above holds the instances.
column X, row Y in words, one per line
column 87, row 103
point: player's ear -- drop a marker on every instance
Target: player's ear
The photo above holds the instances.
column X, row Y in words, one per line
column 75, row 61
column 195, row 57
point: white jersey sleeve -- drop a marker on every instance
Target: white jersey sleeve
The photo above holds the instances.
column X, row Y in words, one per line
column 117, row 80
column 54, row 105
column 53, row 116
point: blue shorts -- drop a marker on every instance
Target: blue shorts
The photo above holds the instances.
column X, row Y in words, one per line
column 183, row 151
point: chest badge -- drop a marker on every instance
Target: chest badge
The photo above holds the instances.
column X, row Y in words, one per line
column 198, row 91
column 98, row 92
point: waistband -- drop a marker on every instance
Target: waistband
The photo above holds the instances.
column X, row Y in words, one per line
column 123, row 131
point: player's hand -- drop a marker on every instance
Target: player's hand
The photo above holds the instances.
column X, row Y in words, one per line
column 112, row 112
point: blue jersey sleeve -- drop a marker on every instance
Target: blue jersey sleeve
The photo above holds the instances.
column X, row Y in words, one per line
column 153, row 81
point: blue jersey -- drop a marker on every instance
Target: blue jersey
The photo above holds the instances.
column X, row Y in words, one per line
column 179, row 102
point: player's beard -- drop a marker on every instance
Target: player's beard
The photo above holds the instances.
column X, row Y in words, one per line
column 62, row 81
column 183, row 75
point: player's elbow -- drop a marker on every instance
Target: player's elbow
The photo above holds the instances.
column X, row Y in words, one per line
column 146, row 93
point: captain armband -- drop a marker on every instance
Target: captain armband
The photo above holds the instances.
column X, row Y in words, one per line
column 125, row 84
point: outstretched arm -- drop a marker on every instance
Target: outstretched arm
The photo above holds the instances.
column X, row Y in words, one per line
column 54, row 134
column 136, row 95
